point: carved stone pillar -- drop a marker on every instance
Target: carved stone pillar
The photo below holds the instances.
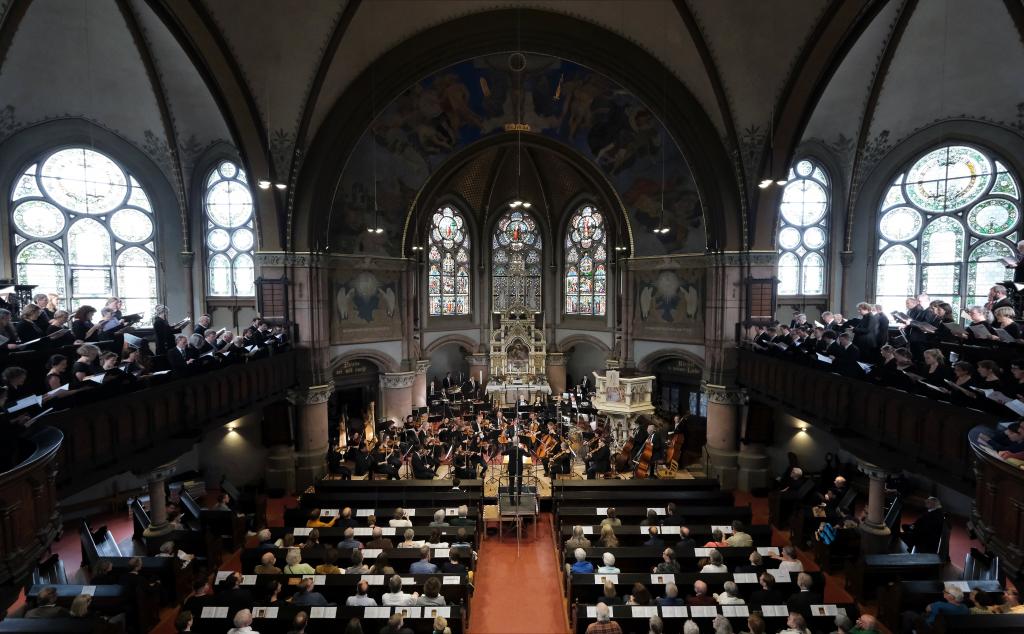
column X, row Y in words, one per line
column 875, row 535
column 479, row 367
column 556, row 372
column 187, row 259
column 155, row 479
column 310, row 433
column 419, row 384
column 396, row 394
column 724, row 405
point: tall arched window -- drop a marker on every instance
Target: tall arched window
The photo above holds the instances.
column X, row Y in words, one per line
column 229, row 232
column 944, row 227
column 84, row 228
column 586, row 260
column 803, row 230
column 516, row 264
column 448, row 262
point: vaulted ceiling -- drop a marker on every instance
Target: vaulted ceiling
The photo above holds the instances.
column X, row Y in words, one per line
column 174, row 77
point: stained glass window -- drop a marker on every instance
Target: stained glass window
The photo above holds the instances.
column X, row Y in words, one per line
column 448, row 263
column 84, row 229
column 586, row 263
column 230, row 234
column 944, row 226
column 803, row 230
column 516, row 264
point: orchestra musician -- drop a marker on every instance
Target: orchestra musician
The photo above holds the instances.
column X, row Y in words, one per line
column 386, row 460
column 516, row 452
column 599, row 459
column 446, row 382
column 470, row 387
column 561, row 462
column 421, row 465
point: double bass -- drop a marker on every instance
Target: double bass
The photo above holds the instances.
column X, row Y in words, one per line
column 621, row 462
column 645, row 461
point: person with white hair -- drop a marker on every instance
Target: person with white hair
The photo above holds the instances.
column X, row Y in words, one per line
column 795, row 624
column 716, row 563
column 439, row 518
column 267, row 565
column 608, row 567
column 604, row 623
column 463, row 517
column 655, row 625
column 722, row 625
column 581, row 566
column 395, row 595
column 691, row 627
column 266, row 539
column 671, row 597
column 243, row 623
column 730, row 595
column 789, row 560
column 294, row 564
column 952, row 602
column 400, row 520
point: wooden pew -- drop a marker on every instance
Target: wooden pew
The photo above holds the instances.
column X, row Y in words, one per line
column 229, row 526
column 635, row 535
column 331, row 536
column 643, row 558
column 568, row 487
column 896, row 597
column 338, row 588
column 418, row 515
column 635, row 498
column 53, row 626
column 108, row 601
column 330, row 485
column 634, row 621
column 979, row 624
column 388, row 499
column 398, row 558
column 723, row 515
column 589, row 588
column 877, row 571
column 185, row 539
column 421, row 621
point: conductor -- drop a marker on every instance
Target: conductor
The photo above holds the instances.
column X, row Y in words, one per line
column 515, row 455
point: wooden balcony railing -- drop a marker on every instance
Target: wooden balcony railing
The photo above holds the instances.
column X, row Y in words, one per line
column 155, row 425
column 998, row 513
column 900, row 429
column 28, row 509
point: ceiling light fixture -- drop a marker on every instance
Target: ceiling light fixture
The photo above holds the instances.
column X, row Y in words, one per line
column 765, row 184
column 263, row 184
column 281, row 186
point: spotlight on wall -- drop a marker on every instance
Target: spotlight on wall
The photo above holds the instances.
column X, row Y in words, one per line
column 803, row 429
column 765, row 184
column 781, row 182
column 621, row 248
column 263, row 184
column 281, row 185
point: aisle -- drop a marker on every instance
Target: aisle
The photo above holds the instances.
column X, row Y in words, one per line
column 518, row 595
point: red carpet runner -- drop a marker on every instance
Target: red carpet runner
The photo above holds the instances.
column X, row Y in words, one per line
column 518, row 595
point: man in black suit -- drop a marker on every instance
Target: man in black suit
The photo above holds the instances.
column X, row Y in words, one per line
column 684, row 547
column 600, row 461
column 177, row 356
column 881, row 326
column 803, row 600
column 515, row 455
column 926, row 533
column 847, row 357
column 997, row 298
column 420, row 469
column 446, row 382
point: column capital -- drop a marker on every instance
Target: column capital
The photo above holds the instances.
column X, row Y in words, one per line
column 724, row 394
column 872, row 470
column 422, row 366
column 478, row 358
column 158, row 474
column 397, row 380
column 556, row 358
column 311, row 395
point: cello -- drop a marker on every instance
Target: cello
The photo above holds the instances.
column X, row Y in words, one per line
column 621, row 462
column 643, row 465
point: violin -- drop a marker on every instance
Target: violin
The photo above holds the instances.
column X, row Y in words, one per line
column 600, row 445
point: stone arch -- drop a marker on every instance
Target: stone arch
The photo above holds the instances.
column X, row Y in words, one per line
column 648, row 363
column 383, row 361
column 575, row 339
column 461, row 340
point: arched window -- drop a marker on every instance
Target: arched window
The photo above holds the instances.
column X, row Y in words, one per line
column 586, row 261
column 229, row 232
column 448, row 262
column 944, row 227
column 516, row 264
column 84, row 229
column 803, row 230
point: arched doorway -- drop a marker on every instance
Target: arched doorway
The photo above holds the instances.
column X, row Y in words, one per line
column 356, row 393
column 583, row 356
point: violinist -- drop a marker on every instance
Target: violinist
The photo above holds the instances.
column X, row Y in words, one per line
column 421, row 465
column 599, row 459
column 386, row 460
column 362, row 460
column 561, row 462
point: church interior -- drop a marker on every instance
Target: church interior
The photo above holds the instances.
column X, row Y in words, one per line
column 347, row 315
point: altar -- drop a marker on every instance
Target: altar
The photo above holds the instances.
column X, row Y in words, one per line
column 510, row 393
column 517, row 350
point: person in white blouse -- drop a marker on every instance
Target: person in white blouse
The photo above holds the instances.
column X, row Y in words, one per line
column 243, row 623
column 789, row 561
column 400, row 520
column 608, row 568
column 716, row 563
column 396, row 596
column 730, row 595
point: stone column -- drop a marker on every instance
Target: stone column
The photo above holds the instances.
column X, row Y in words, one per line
column 419, row 384
column 310, row 433
column 753, row 460
column 396, row 394
column 556, row 372
column 158, row 524
column 875, row 535
column 187, row 259
column 479, row 367
column 724, row 405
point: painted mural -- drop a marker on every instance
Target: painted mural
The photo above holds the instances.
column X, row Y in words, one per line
column 449, row 110
column 366, row 307
column 669, row 305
